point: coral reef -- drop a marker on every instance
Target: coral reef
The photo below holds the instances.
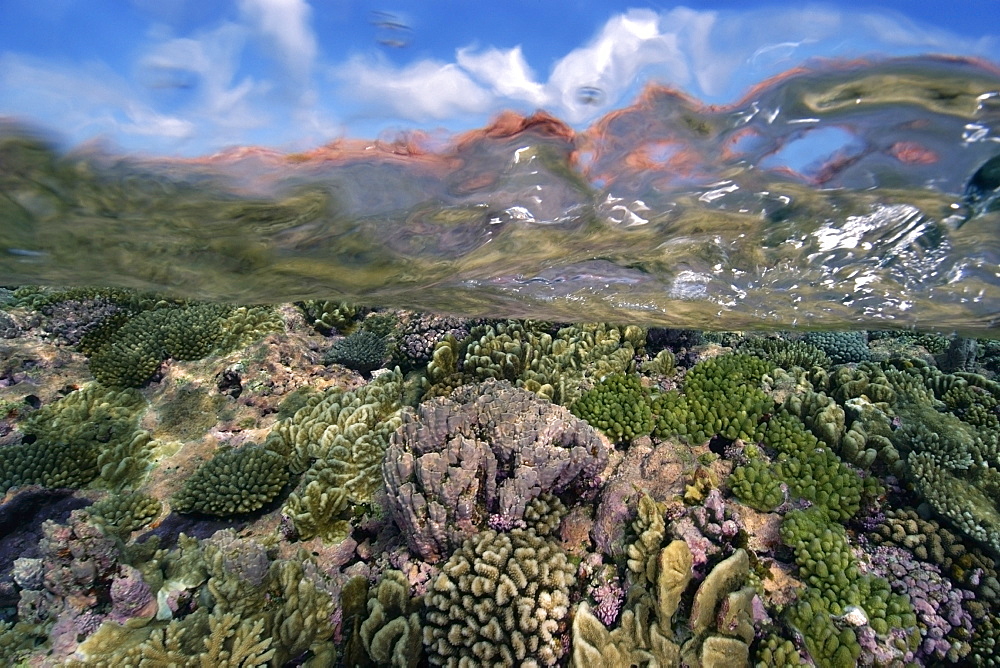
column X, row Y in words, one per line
column 722, row 396
column 618, row 405
column 841, row 347
column 529, row 356
column 825, row 499
column 126, row 352
column 382, row 627
column 338, row 442
column 362, row 351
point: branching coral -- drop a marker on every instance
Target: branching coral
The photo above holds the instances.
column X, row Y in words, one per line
column 501, row 599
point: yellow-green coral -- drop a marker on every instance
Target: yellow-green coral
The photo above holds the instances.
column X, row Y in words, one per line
column 382, row 627
column 126, row 353
column 527, row 355
column 722, row 396
column 125, row 513
column 337, row 440
column 834, row 584
column 499, row 600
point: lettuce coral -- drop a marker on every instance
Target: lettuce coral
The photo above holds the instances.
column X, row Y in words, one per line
column 337, row 440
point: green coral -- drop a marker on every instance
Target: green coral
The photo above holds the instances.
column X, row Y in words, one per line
column 841, row 347
column 662, row 364
column 953, row 462
column 90, row 434
column 866, row 380
column 722, row 395
column 777, row 652
column 785, row 353
column 835, row 585
column 529, row 356
column 330, row 316
column 381, row 627
column 364, row 351
column 814, row 472
column 756, row 485
column 127, row 351
column 619, row 406
column 47, row 464
column 92, row 414
column 233, row 482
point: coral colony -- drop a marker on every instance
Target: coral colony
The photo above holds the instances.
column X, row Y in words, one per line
column 321, row 484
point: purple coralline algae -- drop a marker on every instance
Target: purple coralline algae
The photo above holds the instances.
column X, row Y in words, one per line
column 609, row 597
column 131, row 597
column 488, row 449
column 945, row 624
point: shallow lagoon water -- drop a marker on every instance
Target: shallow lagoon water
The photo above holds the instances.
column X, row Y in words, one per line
column 849, row 196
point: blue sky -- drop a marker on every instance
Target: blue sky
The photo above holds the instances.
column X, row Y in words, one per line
column 188, row 77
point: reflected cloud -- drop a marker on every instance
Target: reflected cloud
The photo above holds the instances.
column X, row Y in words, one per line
column 425, row 90
column 206, row 89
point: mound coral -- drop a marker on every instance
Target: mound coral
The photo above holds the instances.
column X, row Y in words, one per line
column 126, row 352
column 488, row 450
column 618, row 405
column 233, row 482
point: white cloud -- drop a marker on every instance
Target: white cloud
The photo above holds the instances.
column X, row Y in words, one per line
column 425, row 90
column 286, row 24
column 506, row 73
column 626, row 45
column 199, row 91
column 145, row 121
column 209, row 62
column 87, row 100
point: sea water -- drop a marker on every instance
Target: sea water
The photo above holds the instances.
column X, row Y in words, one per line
column 845, row 195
